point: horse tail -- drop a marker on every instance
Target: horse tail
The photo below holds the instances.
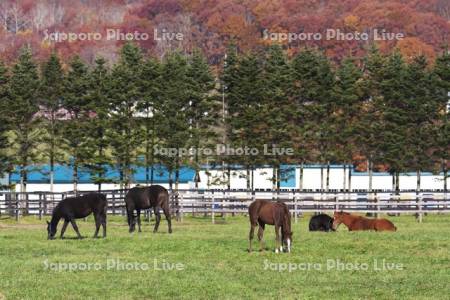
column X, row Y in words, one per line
column 164, row 199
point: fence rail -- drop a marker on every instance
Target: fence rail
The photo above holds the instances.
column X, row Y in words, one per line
column 213, row 201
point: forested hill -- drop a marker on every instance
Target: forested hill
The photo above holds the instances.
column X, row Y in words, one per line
column 210, row 24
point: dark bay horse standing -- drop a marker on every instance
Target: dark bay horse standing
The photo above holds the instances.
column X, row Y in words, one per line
column 139, row 198
column 262, row 212
column 354, row 223
column 73, row 208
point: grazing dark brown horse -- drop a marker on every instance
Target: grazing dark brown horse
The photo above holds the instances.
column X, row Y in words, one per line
column 73, row 208
column 262, row 212
column 139, row 198
column 360, row 223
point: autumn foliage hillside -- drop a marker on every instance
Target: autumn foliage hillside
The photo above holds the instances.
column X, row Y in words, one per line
column 211, row 24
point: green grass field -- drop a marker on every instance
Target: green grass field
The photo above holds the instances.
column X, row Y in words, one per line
column 213, row 262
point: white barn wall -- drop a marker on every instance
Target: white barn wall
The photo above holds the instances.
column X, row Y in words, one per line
column 262, row 180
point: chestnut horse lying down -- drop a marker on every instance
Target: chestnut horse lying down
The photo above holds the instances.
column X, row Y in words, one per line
column 262, row 212
column 73, row 208
column 360, row 223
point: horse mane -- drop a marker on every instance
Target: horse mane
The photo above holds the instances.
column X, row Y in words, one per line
column 286, row 227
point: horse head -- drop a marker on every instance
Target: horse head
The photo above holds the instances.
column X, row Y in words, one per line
column 338, row 218
column 51, row 231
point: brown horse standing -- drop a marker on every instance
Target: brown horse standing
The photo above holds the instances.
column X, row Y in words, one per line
column 262, row 212
column 360, row 223
column 139, row 198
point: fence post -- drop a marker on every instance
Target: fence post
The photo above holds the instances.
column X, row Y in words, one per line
column 420, row 209
column 295, row 207
column 377, row 201
column 336, row 202
column 17, row 208
column 45, row 204
column 40, row 206
column 114, row 203
column 181, row 208
column 212, row 207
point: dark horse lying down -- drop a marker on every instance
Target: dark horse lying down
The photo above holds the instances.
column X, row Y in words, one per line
column 321, row 222
column 139, row 198
column 262, row 212
column 73, row 208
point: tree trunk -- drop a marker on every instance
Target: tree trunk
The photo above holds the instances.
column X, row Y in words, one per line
column 23, row 190
column 445, row 175
column 75, row 178
column 321, row 178
column 228, row 177
column 418, row 175
column 349, row 179
column 393, row 182
column 328, row 177
column 301, row 176
column 253, row 179
column 418, row 179
column 371, row 198
column 274, row 178
column 278, row 178
column 52, row 174
column 344, row 183
column 397, row 183
column 248, row 177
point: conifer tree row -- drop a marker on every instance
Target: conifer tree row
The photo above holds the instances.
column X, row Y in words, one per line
column 113, row 117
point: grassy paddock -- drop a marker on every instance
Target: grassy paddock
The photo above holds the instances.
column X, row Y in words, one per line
column 213, row 262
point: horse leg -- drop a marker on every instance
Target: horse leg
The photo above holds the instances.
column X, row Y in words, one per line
column 260, row 236
column 97, row 225
column 138, row 211
column 158, row 219
column 277, row 238
column 75, row 227
column 250, row 235
column 63, row 229
column 169, row 221
column 130, row 218
column 103, row 221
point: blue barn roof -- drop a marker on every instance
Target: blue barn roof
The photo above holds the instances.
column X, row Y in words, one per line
column 64, row 174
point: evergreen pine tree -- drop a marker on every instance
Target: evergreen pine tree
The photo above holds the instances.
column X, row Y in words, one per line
column 22, row 102
column 230, row 104
column 125, row 95
column 349, row 104
column 76, row 102
column 423, row 111
column 150, row 116
column 4, row 145
column 203, row 108
column 175, row 126
column 99, row 123
column 246, row 109
column 51, row 92
column 277, row 110
column 313, row 88
column 441, row 85
column 394, row 116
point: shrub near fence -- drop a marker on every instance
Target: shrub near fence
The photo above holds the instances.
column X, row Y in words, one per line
column 224, row 202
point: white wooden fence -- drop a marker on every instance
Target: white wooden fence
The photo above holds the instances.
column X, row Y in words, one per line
column 213, row 203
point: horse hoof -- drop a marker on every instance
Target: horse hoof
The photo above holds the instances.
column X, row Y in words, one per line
column 276, row 251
